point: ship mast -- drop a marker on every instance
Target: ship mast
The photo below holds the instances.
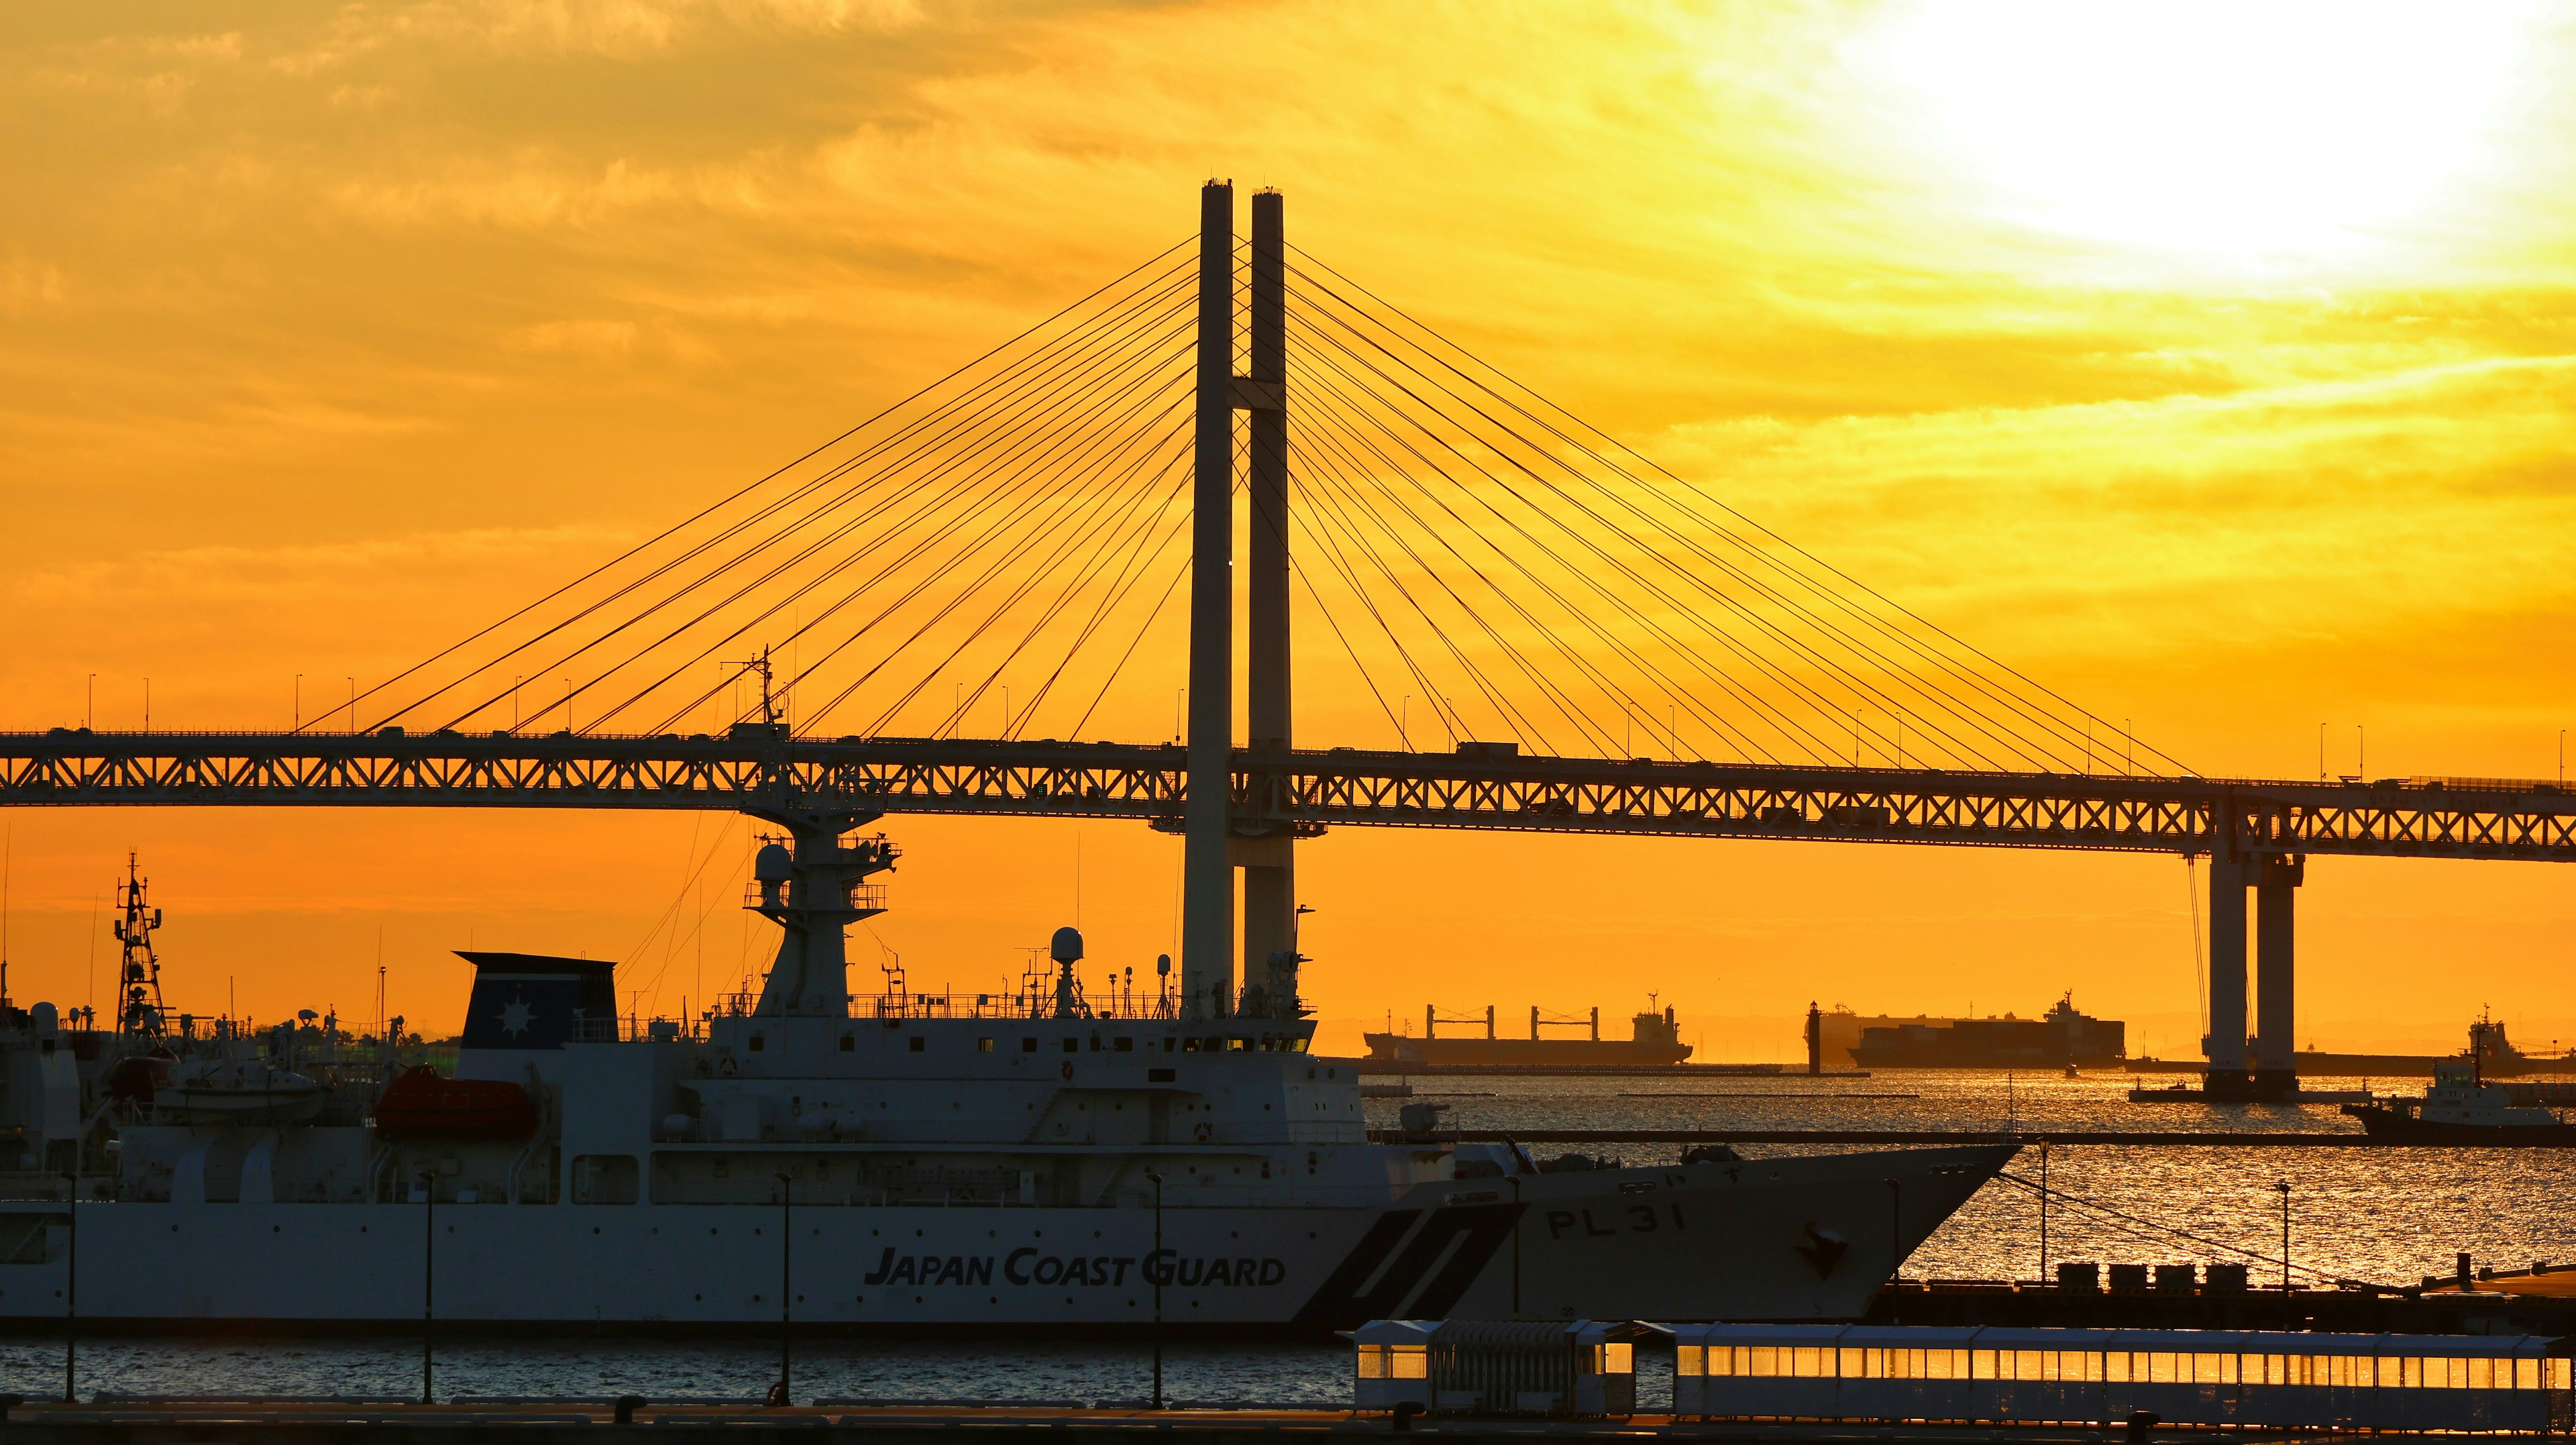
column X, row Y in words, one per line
column 138, row 992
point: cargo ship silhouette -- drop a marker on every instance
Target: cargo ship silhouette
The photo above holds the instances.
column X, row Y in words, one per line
column 1654, row 1041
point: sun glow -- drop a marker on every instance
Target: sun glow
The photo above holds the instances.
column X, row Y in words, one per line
column 2240, row 129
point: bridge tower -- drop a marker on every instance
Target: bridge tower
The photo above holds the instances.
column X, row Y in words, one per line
column 1216, row 840
column 1270, row 955
column 1207, row 872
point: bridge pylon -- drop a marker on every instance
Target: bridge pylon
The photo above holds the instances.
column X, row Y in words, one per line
column 1221, row 836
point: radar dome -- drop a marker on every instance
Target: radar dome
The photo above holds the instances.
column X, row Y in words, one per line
column 1067, row 947
column 773, row 863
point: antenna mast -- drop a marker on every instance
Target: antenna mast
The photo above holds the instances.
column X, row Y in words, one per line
column 138, row 993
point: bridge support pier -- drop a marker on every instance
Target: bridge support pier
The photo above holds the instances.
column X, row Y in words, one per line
column 2227, row 1076
column 2276, row 884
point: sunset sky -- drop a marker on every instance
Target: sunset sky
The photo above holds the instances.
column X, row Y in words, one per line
column 2210, row 362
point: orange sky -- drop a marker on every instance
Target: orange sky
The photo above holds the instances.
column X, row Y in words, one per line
column 2210, row 363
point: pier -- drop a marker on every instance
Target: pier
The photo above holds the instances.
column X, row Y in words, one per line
column 256, row 1422
column 2135, row 1138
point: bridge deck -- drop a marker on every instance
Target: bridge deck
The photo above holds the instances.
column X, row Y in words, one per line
column 1301, row 790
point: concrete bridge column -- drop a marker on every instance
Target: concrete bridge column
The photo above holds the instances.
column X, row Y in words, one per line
column 2227, row 1075
column 2276, row 1020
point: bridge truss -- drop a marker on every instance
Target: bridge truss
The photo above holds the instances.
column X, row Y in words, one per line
column 1300, row 791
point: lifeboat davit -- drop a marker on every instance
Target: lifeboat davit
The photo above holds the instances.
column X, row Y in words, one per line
column 419, row 1104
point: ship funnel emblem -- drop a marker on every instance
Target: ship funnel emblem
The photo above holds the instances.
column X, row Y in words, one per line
column 1824, row 1249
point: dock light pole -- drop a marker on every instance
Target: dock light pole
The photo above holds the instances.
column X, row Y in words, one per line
column 428, row 1275
column 1895, row 1228
column 1154, row 1273
column 786, row 1301
column 71, row 1285
column 2043, row 1211
column 2284, row 1186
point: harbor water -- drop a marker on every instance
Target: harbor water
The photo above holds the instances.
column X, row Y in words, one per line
column 2390, row 1215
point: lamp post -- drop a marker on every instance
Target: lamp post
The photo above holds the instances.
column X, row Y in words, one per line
column 1156, row 1265
column 1895, row 1228
column 1514, row 1180
column 71, row 1283
column 786, row 1301
column 428, row 1275
column 2043, row 1211
column 2284, row 1186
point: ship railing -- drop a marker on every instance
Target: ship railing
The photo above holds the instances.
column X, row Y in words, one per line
column 1120, row 1005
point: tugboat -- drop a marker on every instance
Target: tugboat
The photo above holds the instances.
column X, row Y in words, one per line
column 2461, row 1108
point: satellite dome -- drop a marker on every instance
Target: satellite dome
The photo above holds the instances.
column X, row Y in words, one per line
column 1067, row 947
column 773, row 863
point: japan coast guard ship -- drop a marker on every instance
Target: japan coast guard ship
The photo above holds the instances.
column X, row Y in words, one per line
column 909, row 1161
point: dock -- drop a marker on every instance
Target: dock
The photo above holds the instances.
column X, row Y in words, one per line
column 1374, row 1067
column 255, row 1422
column 2155, row 1138
column 2497, row 1304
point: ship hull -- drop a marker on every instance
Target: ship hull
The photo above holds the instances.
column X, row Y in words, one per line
column 1798, row 1238
column 1386, row 1051
column 2391, row 1126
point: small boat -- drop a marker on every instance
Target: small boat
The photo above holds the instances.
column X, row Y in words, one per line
column 237, row 1091
column 420, row 1104
column 2461, row 1108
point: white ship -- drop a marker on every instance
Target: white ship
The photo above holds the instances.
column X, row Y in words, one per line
column 1045, row 1160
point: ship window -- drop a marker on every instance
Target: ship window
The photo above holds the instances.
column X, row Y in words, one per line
column 849, row 1044
column 1161, row 1076
column 1170, row 1043
column 983, row 1046
column 919, row 1043
column 1072, row 1046
column 1188, row 1046
column 603, row 1179
column 1028, row 1046
column 1123, row 1044
column 755, row 1043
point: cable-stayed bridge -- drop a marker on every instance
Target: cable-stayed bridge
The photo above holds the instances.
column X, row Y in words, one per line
column 1528, row 625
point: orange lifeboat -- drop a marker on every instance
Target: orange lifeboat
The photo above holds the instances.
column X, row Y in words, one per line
column 422, row 1105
